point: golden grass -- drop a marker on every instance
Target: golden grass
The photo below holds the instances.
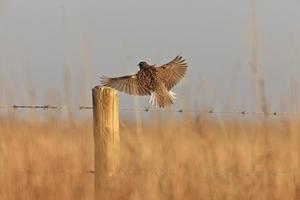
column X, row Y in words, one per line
column 179, row 159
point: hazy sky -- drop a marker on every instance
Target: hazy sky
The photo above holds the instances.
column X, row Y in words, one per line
column 39, row 37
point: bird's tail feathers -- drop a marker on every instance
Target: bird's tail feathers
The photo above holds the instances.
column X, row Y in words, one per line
column 162, row 100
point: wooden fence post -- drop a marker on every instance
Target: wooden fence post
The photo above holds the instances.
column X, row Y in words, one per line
column 106, row 138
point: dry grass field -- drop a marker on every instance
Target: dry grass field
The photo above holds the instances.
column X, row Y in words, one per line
column 184, row 158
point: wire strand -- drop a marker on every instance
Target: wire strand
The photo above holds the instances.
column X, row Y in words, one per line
column 147, row 109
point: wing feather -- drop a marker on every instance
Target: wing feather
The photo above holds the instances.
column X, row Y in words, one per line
column 129, row 84
column 172, row 72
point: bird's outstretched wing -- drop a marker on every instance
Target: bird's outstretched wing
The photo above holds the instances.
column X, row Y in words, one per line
column 129, row 84
column 172, row 72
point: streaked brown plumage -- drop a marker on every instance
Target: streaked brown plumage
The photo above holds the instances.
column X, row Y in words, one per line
column 151, row 80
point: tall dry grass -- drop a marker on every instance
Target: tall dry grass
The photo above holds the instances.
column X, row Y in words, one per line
column 211, row 158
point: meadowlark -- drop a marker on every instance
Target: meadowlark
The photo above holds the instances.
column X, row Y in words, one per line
column 151, row 80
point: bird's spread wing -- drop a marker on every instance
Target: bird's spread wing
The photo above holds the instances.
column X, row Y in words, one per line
column 172, row 72
column 129, row 84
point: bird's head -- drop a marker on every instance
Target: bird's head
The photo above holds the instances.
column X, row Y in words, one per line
column 142, row 65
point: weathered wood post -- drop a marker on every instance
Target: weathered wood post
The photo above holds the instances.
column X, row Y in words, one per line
column 106, row 138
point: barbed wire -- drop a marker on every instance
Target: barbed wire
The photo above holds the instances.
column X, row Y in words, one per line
column 147, row 109
column 46, row 107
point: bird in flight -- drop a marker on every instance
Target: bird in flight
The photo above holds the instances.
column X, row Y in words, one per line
column 151, row 80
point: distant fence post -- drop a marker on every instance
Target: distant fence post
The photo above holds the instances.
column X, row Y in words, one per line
column 106, row 138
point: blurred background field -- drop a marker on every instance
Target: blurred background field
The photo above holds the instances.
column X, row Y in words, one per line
column 209, row 157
